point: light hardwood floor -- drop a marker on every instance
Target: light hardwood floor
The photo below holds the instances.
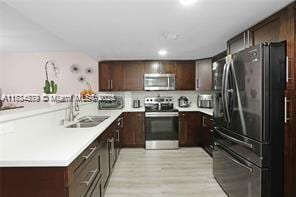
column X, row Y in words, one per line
column 185, row 172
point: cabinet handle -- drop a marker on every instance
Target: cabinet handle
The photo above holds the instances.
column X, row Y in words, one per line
column 286, row 109
column 93, row 174
column 117, row 140
column 111, row 83
column 287, row 70
column 108, row 84
column 90, row 153
column 203, row 121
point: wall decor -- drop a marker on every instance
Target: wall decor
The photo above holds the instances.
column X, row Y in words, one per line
column 81, row 79
column 75, row 68
column 88, row 70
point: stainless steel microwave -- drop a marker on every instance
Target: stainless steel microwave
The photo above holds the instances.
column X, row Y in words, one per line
column 159, row 82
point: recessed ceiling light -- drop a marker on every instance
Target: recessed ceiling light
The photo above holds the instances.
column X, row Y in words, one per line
column 162, row 52
column 187, row 2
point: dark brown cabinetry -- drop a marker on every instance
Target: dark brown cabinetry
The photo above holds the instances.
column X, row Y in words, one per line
column 86, row 176
column 129, row 75
column 111, row 76
column 290, row 144
column 133, row 75
column 133, row 132
column 207, row 134
column 190, row 133
column 160, row 67
column 185, row 75
column 271, row 29
column 204, row 75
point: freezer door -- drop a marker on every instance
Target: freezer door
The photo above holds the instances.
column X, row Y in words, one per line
column 251, row 150
column 243, row 93
column 237, row 176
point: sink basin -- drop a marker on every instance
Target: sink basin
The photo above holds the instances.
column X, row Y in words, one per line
column 88, row 121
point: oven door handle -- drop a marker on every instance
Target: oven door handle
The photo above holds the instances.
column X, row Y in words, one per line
column 161, row 114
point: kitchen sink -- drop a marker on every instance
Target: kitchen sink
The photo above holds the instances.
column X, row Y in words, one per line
column 88, row 121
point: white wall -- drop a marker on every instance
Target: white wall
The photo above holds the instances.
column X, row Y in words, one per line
column 24, row 72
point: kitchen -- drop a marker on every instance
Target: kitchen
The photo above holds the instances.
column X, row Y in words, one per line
column 176, row 108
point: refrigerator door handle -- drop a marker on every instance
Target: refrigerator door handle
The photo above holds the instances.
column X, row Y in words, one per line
column 234, row 139
column 226, row 93
column 223, row 91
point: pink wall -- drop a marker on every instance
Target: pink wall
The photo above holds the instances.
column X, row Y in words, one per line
column 24, row 72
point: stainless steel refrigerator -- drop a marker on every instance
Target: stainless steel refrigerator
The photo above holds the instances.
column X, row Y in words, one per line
column 249, row 121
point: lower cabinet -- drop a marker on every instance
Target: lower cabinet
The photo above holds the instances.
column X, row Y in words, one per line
column 190, row 133
column 133, row 134
column 86, row 176
column 207, row 134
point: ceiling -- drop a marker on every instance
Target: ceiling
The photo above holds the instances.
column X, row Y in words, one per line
column 134, row 29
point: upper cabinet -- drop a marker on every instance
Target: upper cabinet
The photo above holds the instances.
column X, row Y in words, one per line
column 272, row 29
column 110, row 76
column 204, row 75
column 276, row 28
column 129, row 75
column 239, row 42
column 185, row 75
column 160, row 67
column 133, row 75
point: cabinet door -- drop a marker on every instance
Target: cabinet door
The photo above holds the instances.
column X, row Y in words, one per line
column 185, row 75
column 291, row 44
column 133, row 130
column 207, row 134
column 272, row 29
column 151, row 67
column 110, row 76
column 167, row 67
column 139, row 129
column 104, row 160
column 96, row 189
column 190, row 129
column 104, row 76
column 290, row 145
column 204, row 73
column 133, row 75
column 236, row 44
column 117, row 81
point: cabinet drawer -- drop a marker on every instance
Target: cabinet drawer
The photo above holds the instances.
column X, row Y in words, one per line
column 82, row 161
column 85, row 177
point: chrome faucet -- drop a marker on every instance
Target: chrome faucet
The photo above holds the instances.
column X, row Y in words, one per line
column 74, row 107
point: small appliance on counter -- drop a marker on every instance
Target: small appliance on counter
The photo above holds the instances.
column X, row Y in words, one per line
column 183, row 102
column 205, row 101
column 115, row 102
column 136, row 103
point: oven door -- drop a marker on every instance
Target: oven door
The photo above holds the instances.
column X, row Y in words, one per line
column 160, row 82
column 161, row 130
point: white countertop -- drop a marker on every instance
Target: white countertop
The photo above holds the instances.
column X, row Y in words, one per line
column 30, row 138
